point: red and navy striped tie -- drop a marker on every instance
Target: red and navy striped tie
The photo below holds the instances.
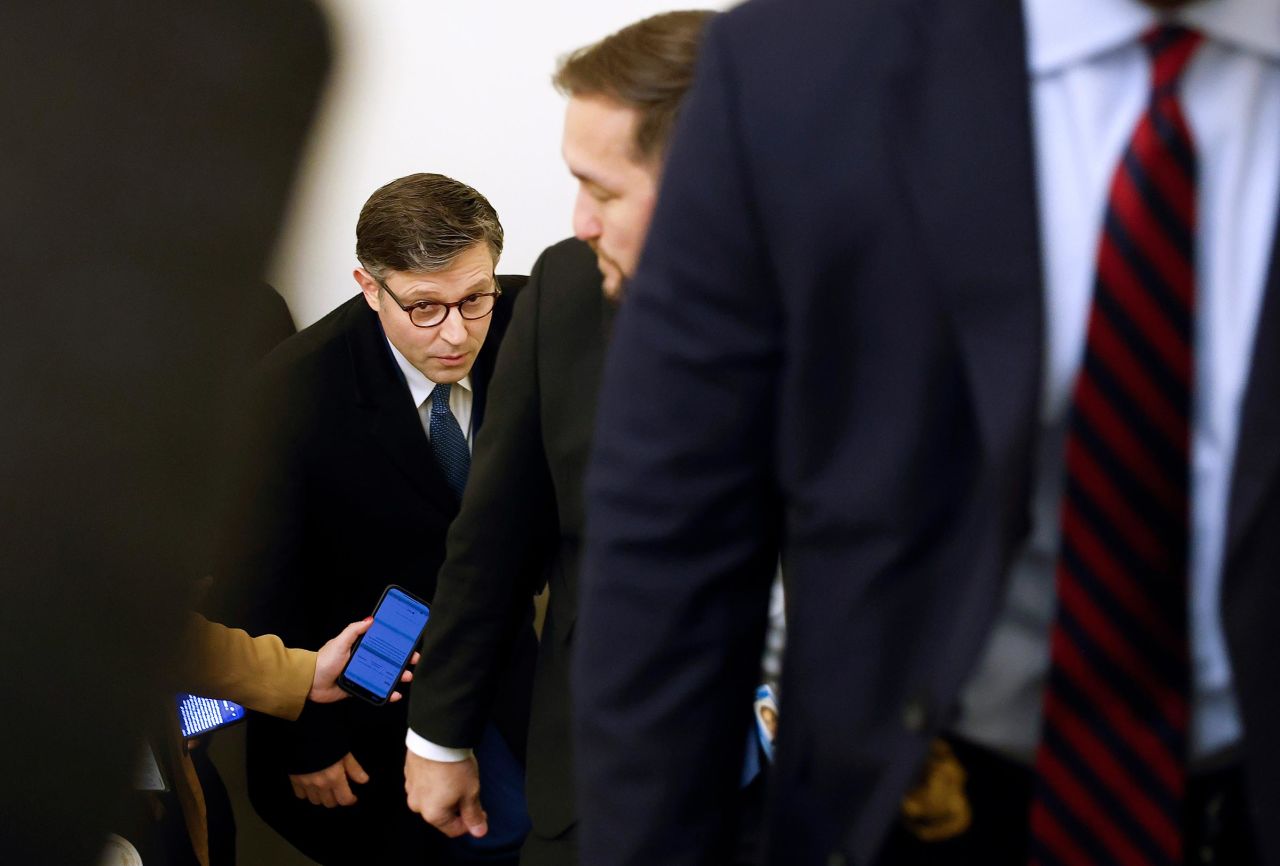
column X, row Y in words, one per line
column 1111, row 767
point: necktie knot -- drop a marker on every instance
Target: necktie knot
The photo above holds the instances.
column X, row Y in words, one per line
column 1170, row 47
column 440, row 397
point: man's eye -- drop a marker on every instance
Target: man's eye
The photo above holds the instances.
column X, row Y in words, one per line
column 428, row 306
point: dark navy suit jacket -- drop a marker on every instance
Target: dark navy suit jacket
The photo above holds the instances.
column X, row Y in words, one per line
column 833, row 346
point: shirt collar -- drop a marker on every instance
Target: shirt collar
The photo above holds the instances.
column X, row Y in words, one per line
column 1062, row 33
column 420, row 387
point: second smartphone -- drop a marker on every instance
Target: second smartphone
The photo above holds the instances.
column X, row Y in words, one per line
column 382, row 653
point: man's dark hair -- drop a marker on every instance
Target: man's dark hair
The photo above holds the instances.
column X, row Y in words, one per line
column 421, row 223
column 647, row 66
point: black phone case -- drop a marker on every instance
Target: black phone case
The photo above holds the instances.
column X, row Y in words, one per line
column 359, row 691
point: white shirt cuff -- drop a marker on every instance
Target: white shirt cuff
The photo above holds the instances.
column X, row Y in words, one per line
column 424, row 748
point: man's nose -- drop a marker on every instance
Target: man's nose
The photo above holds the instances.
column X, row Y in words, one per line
column 586, row 221
column 454, row 327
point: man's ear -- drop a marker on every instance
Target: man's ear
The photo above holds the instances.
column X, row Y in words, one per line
column 368, row 285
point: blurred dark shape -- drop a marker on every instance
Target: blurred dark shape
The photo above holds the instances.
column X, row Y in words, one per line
column 270, row 321
column 148, row 151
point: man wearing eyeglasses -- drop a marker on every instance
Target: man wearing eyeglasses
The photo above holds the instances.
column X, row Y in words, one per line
column 366, row 420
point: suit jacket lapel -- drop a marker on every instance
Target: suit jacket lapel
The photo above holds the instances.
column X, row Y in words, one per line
column 963, row 119
column 393, row 420
column 1258, row 450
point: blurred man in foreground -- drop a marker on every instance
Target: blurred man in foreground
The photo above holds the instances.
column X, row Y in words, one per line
column 974, row 310
column 149, row 158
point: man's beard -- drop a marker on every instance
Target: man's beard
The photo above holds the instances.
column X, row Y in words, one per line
column 613, row 294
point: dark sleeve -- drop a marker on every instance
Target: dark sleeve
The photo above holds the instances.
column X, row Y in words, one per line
column 682, row 513
column 496, row 548
column 318, row 739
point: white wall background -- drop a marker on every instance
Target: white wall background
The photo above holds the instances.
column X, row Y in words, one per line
column 460, row 87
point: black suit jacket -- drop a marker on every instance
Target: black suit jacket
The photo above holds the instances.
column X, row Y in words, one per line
column 345, row 497
column 521, row 524
column 833, row 343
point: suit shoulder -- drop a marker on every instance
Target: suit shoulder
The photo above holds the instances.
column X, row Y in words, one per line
column 511, row 284
column 761, row 16
column 568, row 255
column 789, row 40
column 567, row 268
column 317, row 345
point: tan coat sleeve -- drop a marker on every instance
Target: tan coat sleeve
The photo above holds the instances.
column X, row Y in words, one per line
column 259, row 672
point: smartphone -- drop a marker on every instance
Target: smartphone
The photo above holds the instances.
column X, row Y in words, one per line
column 382, row 653
column 197, row 715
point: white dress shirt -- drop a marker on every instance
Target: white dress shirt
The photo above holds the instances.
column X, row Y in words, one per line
column 420, row 388
column 460, row 399
column 1090, row 79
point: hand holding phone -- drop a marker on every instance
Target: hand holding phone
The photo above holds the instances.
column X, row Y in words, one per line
column 333, row 657
column 381, row 654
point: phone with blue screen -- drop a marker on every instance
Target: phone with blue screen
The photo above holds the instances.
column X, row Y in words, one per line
column 382, row 653
column 198, row 715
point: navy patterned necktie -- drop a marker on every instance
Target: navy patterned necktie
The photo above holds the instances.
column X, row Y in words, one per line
column 448, row 442
column 1111, row 768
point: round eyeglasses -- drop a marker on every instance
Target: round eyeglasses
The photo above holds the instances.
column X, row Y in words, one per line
column 428, row 314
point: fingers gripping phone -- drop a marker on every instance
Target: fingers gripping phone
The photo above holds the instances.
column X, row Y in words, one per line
column 382, row 653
